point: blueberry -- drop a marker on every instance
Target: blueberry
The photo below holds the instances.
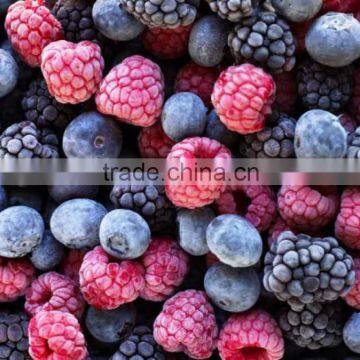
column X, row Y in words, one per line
column 192, row 226
column 21, row 230
column 298, row 10
column 26, row 196
column 124, row 234
column 351, row 333
column 92, row 135
column 109, row 327
column 48, row 254
column 9, row 73
column 61, row 193
column 231, row 289
column 208, row 40
column 75, row 223
column 234, row 240
column 183, row 115
column 334, row 39
column 114, row 22
column 319, row 134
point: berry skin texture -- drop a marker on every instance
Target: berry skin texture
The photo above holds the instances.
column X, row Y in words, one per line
column 16, row 277
column 252, row 335
column 166, row 266
column 53, row 291
column 187, row 323
column 56, row 335
column 132, row 91
column 347, row 225
column 307, row 209
column 242, row 97
column 72, row 72
column 107, row 284
column 166, row 43
column 185, row 192
column 30, row 27
column 352, row 298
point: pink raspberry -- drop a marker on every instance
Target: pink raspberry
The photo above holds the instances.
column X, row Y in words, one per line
column 56, row 335
column 276, row 229
column 355, row 100
column 306, row 208
column 187, row 323
column 108, row 283
column 251, row 335
column 166, row 43
column 153, row 142
column 30, row 27
column 72, row 72
column 182, row 188
column 70, row 266
column 255, row 202
column 347, row 225
column 166, row 265
column 352, row 298
column 133, row 91
column 15, row 277
column 242, row 98
column 286, row 91
column 53, row 291
column 198, row 80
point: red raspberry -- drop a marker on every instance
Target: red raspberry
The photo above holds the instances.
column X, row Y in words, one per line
column 255, row 202
column 286, row 91
column 133, row 91
column 299, row 31
column 30, row 27
column 53, row 291
column 211, row 259
column 307, row 208
column 187, row 323
column 251, row 335
column 181, row 187
column 352, row 298
column 348, row 123
column 153, row 142
column 346, row 6
column 347, row 225
column 15, row 276
column 166, row 265
column 242, row 98
column 355, row 100
column 56, row 335
column 70, row 266
column 167, row 43
column 198, row 80
column 72, row 72
column 276, row 229
column 107, row 285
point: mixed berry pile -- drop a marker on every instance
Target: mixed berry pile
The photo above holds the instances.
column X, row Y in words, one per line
column 180, row 270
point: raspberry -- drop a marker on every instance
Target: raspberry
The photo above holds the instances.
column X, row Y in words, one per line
column 347, row 225
column 197, row 79
column 153, row 142
column 352, row 298
column 15, row 276
column 251, row 335
column 345, row 6
column 133, row 91
column 307, row 209
column 182, row 188
column 349, row 124
column 286, row 91
column 276, row 229
column 53, row 291
column 211, row 259
column 70, row 266
column 166, row 265
column 242, row 98
column 56, row 335
column 166, row 43
column 187, row 323
column 256, row 203
column 72, row 72
column 355, row 100
column 107, row 285
column 30, row 27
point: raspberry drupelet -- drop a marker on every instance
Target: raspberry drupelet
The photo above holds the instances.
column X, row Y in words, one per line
column 276, row 228
column 352, row 298
column 107, row 283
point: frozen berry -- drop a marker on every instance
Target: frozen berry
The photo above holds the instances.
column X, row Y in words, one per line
column 298, row 10
column 61, row 193
column 286, row 92
column 352, row 298
column 233, row 11
column 277, row 227
column 9, row 73
column 346, row 6
column 351, row 333
column 26, row 196
column 70, row 266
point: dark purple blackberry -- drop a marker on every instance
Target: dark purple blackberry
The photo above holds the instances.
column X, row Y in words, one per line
column 354, row 146
column 264, row 39
column 43, row 110
column 149, row 201
column 323, row 87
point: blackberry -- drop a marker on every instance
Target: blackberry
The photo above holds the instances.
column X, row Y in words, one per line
column 323, row 87
column 149, row 201
column 42, row 109
column 25, row 140
column 276, row 141
column 140, row 345
column 354, row 146
column 315, row 326
column 14, row 335
column 264, row 39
